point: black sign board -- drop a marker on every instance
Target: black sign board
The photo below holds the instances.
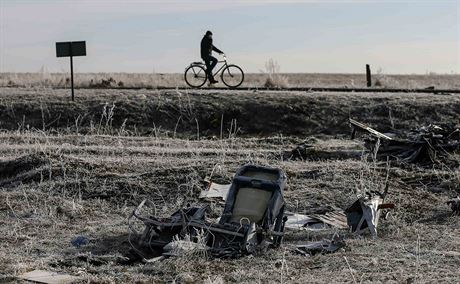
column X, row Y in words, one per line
column 70, row 48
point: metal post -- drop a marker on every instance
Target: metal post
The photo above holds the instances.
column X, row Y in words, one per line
column 71, row 76
column 368, row 76
column 71, row 70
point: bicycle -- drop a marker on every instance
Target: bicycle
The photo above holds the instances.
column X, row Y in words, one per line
column 231, row 75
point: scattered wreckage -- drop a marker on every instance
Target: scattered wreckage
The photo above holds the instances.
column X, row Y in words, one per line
column 363, row 215
column 253, row 219
column 425, row 145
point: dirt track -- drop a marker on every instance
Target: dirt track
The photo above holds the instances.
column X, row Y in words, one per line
column 76, row 178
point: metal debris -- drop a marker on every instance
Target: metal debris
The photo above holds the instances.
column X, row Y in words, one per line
column 336, row 219
column 324, row 246
column 455, row 205
column 355, row 124
column 48, row 277
column 215, row 190
column 425, row 145
column 363, row 215
column 158, row 232
column 253, row 219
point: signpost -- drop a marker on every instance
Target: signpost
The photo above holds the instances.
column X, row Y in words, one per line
column 71, row 49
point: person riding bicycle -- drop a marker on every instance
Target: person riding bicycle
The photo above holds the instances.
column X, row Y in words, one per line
column 206, row 54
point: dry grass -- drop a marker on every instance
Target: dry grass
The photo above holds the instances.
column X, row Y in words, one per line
column 274, row 78
column 154, row 80
column 88, row 185
column 84, row 176
column 207, row 113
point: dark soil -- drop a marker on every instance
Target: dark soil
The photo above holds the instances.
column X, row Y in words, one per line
column 224, row 113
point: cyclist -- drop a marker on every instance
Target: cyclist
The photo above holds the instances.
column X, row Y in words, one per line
column 206, row 54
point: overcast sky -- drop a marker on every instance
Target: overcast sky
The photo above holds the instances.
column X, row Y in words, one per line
column 411, row 36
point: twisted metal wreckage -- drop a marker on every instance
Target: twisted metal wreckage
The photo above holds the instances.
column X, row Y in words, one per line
column 253, row 220
column 426, row 145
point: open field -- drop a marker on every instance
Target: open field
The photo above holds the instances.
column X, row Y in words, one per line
column 154, row 80
column 79, row 168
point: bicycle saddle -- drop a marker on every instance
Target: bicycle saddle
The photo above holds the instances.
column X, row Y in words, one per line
column 198, row 62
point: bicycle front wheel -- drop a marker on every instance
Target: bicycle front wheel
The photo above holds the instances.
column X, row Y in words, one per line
column 232, row 76
column 195, row 76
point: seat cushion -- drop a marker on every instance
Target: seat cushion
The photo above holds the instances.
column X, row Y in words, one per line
column 250, row 203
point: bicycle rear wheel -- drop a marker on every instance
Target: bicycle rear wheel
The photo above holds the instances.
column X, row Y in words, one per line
column 195, row 76
column 232, row 76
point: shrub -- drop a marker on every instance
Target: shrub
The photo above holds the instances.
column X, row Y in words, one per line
column 274, row 79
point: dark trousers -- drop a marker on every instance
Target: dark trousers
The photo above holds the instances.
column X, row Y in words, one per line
column 211, row 62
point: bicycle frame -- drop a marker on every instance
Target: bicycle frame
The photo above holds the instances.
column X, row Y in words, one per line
column 220, row 68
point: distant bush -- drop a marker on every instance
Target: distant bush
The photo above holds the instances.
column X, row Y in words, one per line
column 385, row 81
column 104, row 83
column 274, row 78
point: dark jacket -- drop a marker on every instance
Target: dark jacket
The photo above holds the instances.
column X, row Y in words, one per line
column 207, row 47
